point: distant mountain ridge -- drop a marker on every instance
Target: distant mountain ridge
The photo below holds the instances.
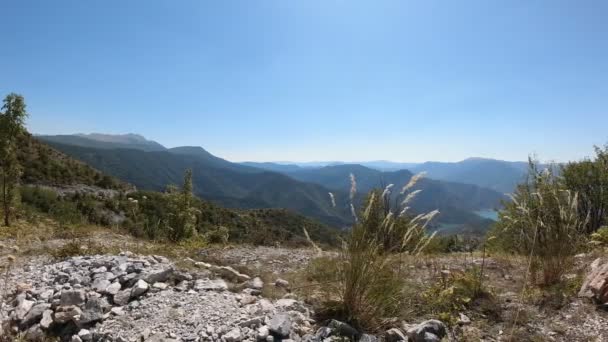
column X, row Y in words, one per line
column 498, row 175
column 303, row 189
column 106, row 141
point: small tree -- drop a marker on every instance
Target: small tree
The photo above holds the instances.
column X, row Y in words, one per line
column 12, row 120
column 183, row 215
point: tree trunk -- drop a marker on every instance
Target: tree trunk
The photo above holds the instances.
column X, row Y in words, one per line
column 7, row 221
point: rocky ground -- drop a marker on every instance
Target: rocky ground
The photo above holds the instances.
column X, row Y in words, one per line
column 220, row 294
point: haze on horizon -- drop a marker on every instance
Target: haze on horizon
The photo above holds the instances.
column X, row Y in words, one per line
column 318, row 80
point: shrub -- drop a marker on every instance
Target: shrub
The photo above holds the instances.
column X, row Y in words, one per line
column 600, row 237
column 455, row 292
column 542, row 221
column 367, row 288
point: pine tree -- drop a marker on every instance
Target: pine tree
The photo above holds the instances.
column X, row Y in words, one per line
column 12, row 120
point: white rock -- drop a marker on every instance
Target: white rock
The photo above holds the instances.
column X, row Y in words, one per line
column 139, row 288
column 113, row 288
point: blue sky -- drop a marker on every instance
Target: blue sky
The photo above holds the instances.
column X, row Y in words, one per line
column 317, row 80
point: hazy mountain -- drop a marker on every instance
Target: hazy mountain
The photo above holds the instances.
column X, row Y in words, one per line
column 498, row 175
column 226, row 183
column 105, row 141
column 456, row 201
column 273, row 166
column 269, row 185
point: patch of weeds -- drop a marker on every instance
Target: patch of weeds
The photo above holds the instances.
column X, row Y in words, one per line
column 456, row 292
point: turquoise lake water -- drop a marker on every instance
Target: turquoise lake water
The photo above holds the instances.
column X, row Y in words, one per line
column 488, row 213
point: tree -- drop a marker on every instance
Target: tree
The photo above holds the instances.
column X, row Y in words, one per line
column 12, row 120
column 183, row 215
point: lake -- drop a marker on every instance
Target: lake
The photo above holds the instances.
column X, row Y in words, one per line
column 488, row 213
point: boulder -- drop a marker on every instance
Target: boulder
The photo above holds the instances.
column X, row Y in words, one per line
column 113, row 288
column 93, row 311
column 343, row 329
column 65, row 314
column 233, row 335
column 139, row 288
column 47, row 319
column 23, row 307
column 210, row 285
column 35, row 314
column 395, row 335
column 72, row 297
column 280, row 325
column 596, row 282
column 428, row 331
column 281, row 283
column 122, row 297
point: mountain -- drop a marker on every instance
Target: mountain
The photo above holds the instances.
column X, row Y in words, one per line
column 273, row 166
column 456, row 201
column 216, row 179
column 44, row 165
column 493, row 174
column 105, row 141
column 303, row 189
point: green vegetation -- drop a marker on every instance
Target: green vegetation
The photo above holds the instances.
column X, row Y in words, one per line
column 542, row 220
column 456, row 292
column 12, row 120
column 589, row 179
column 366, row 288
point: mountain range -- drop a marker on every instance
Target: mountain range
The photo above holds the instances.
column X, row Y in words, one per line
column 300, row 188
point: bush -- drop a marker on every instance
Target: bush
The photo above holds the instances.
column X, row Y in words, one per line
column 600, row 237
column 368, row 290
column 455, row 292
column 542, row 221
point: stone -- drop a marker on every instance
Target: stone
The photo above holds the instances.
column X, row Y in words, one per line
column 231, row 274
column 23, row 307
column 262, row 333
column 252, row 322
column 210, row 285
column 595, row 285
column 72, row 297
column 233, row 335
column 427, row 331
column 93, row 311
column 395, row 335
column 140, row 287
column 113, row 288
column 280, row 325
column 256, row 283
column 100, row 285
column 35, row 333
column 368, row 338
column 76, row 338
column 65, row 314
column 343, row 329
column 117, row 310
column 122, row 297
column 158, row 276
column 281, row 283
column 463, row 319
column 35, row 314
column 287, row 304
column 85, row 335
column 160, row 286
column 46, row 295
column 47, row 319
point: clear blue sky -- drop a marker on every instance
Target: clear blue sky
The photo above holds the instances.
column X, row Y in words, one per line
column 317, row 80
